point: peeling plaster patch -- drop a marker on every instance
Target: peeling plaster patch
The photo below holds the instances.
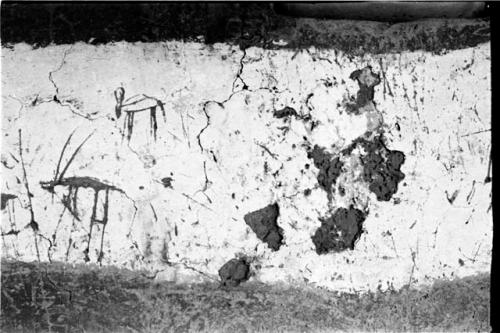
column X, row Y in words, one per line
column 367, row 81
column 264, row 223
column 285, row 112
column 234, row 272
column 167, row 182
column 329, row 167
column 381, row 167
column 340, row 231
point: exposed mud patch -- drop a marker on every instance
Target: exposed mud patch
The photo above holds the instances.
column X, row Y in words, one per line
column 367, row 81
column 381, row 166
column 285, row 112
column 234, row 272
column 264, row 223
column 339, row 231
column 167, row 182
column 329, row 167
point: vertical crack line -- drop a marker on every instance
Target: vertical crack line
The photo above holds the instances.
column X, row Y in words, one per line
column 63, row 61
column 55, row 98
column 54, row 234
column 221, row 104
column 26, row 184
column 205, row 127
column 32, row 224
column 51, row 244
column 184, row 130
column 70, row 240
column 240, row 71
column 207, row 183
column 21, row 103
column 386, row 82
column 154, row 212
column 488, row 175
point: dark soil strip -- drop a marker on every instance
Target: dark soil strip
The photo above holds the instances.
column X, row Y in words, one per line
column 81, row 298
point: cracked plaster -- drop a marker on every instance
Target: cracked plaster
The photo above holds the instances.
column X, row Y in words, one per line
column 226, row 155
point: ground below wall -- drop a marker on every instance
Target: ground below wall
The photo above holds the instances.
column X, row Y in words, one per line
column 85, row 297
column 339, row 169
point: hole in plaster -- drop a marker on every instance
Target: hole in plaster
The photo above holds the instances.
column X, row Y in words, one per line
column 264, row 223
column 339, row 231
column 329, row 167
column 234, row 272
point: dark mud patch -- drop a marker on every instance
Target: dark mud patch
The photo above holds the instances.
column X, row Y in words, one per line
column 381, row 166
column 367, row 81
column 329, row 167
column 264, row 222
column 339, row 231
column 234, row 272
column 286, row 112
column 167, row 182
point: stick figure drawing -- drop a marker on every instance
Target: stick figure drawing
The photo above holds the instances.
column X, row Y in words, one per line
column 136, row 104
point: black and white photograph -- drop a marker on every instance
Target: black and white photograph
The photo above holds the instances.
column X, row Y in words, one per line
column 247, row 166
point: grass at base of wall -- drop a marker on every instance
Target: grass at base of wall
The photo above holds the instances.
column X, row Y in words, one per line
column 80, row 298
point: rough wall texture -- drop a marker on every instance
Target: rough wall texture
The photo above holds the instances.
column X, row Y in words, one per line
column 375, row 163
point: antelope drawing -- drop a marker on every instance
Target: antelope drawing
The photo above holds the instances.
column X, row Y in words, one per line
column 135, row 104
column 70, row 199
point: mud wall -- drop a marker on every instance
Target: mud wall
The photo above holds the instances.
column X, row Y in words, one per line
column 348, row 169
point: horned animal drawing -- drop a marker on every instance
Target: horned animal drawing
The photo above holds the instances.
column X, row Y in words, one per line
column 73, row 184
column 136, row 104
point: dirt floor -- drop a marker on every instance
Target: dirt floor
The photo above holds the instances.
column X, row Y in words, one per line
column 80, row 298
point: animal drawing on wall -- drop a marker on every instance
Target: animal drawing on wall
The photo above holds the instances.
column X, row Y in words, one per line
column 70, row 199
column 137, row 104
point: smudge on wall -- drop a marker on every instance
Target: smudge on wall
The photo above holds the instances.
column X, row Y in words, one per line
column 367, row 153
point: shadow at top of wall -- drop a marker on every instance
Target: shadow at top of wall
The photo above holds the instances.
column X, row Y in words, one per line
column 243, row 24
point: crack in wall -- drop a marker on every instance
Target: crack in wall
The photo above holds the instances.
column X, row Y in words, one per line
column 55, row 98
column 206, row 185
column 245, row 88
column 33, row 224
column 240, row 72
column 221, row 104
column 205, row 135
column 63, row 61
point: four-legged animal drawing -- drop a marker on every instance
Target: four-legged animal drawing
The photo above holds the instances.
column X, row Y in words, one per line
column 75, row 183
column 136, row 104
